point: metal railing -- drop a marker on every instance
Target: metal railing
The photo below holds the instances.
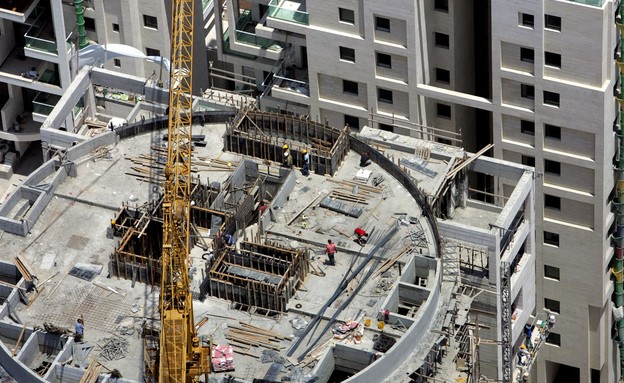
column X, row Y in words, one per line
column 293, row 85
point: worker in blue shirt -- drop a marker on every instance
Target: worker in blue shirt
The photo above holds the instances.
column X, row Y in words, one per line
column 79, row 327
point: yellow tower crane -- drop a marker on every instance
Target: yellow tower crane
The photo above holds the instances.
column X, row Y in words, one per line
column 182, row 357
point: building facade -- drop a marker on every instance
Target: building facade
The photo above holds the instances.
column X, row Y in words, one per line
column 536, row 78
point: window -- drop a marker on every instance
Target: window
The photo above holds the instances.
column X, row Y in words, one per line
column 551, row 98
column 527, row 91
column 152, row 52
column 554, row 339
column 352, row 121
column 386, row 127
column 553, row 240
column 346, row 15
column 552, row 202
column 527, row 20
column 441, row 40
column 150, row 22
column 89, row 24
column 350, row 87
column 552, row 305
column 442, row 75
column 385, row 95
column 382, row 24
column 441, row 5
column 551, row 271
column 552, row 167
column 117, row 63
column 115, row 27
column 528, row 161
column 552, row 22
column 443, row 110
column 552, row 131
column 552, row 59
column 527, row 55
column 384, row 60
column 347, row 54
column 527, row 127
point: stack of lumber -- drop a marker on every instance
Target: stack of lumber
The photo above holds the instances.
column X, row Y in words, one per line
column 92, row 373
column 24, row 268
column 250, row 335
column 215, row 164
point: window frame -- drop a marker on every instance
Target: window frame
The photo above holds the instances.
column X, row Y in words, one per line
column 382, row 28
column 350, row 87
column 549, row 129
column 552, row 305
column 552, row 272
column 342, row 17
column 554, row 204
column 117, row 63
column 527, row 127
column 551, row 239
column 552, row 167
column 527, row 55
column 383, row 63
column 552, row 22
column 441, row 107
column 525, row 22
column 438, row 36
column 150, row 22
column 527, row 91
column 344, row 54
column 441, row 6
column 552, row 102
column 382, row 95
column 148, row 49
column 554, row 339
column 555, row 56
column 445, row 72
column 116, row 27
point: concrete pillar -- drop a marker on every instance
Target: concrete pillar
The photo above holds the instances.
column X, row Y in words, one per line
column 64, row 56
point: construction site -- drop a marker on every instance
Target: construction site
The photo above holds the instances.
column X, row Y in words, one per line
column 442, row 290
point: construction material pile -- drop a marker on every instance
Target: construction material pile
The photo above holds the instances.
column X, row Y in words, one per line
column 113, row 348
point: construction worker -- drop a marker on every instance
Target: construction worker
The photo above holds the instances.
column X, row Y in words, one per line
column 331, row 251
column 79, row 327
column 306, row 163
column 286, row 157
column 361, row 236
column 365, row 159
column 523, row 356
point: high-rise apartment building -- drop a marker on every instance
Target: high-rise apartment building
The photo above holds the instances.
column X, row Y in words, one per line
column 535, row 77
column 44, row 36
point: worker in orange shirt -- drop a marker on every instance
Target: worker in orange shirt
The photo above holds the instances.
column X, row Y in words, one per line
column 331, row 251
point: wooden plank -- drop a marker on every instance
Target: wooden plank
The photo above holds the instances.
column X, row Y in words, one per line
column 19, row 339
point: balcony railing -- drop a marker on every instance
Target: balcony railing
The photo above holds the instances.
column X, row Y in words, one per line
column 293, row 85
column 253, row 39
column 285, row 10
column 44, row 103
column 34, row 39
column 596, row 3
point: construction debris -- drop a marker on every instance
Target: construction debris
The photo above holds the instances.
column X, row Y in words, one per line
column 113, row 348
column 25, row 268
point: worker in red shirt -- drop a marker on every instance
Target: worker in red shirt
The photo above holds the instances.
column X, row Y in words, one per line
column 361, row 236
column 262, row 207
column 331, row 250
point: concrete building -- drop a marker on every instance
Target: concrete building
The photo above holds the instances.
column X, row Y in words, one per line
column 535, row 78
column 44, row 37
column 451, row 277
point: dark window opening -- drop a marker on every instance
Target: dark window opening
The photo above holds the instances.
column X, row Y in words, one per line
column 115, row 27
column 552, row 202
column 382, row 24
column 443, row 75
column 527, row 127
column 441, row 5
column 527, row 55
column 352, row 121
column 528, row 161
column 384, row 60
column 443, row 110
column 552, row 305
column 89, row 24
column 441, row 40
column 552, row 167
column 350, row 87
column 347, row 54
column 552, row 59
column 553, row 240
column 552, row 22
column 150, row 21
column 527, row 91
column 527, row 20
column 551, row 98
column 346, row 15
column 385, row 95
column 152, row 52
column 552, row 131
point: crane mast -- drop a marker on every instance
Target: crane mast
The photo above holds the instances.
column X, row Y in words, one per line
column 182, row 357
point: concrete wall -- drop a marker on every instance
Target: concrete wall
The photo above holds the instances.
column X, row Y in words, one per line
column 17, row 369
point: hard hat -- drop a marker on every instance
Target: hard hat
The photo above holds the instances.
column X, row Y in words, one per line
column 522, row 347
column 285, row 146
column 304, row 151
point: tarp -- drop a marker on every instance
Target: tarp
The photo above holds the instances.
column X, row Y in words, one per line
column 95, row 54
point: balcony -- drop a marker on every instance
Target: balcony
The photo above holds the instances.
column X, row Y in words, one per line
column 595, row 3
column 246, row 41
column 40, row 38
column 17, row 10
column 291, row 11
column 291, row 84
column 43, row 105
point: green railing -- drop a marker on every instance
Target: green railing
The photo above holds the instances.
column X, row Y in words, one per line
column 253, row 39
column 244, row 19
column 44, row 103
column 205, row 4
column 596, row 3
column 293, row 16
column 228, row 50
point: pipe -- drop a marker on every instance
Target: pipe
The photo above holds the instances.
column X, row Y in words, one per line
column 619, row 230
column 82, row 33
